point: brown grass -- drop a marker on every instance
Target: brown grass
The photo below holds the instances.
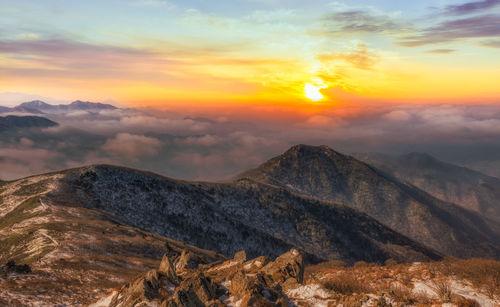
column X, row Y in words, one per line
column 346, row 282
column 442, row 288
column 482, row 273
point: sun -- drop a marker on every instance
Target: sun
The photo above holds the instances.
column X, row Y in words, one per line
column 312, row 90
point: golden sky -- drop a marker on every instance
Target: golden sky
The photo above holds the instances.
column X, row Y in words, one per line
column 292, row 55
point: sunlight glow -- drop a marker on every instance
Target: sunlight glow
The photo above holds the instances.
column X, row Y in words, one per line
column 312, row 90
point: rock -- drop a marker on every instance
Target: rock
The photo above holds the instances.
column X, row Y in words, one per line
column 167, row 269
column 256, row 282
column 288, row 265
column 143, row 289
column 202, row 286
column 195, row 291
column 240, row 256
column 185, row 261
column 254, row 265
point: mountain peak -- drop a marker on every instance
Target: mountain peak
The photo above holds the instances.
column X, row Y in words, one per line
column 310, row 148
column 321, row 172
column 90, row 105
column 36, row 104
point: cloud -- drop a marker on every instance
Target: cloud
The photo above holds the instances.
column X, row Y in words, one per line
column 21, row 160
column 471, row 7
column 491, row 43
column 360, row 57
column 441, row 51
column 206, row 148
column 132, row 146
column 447, row 31
column 362, row 21
column 155, row 4
column 398, row 115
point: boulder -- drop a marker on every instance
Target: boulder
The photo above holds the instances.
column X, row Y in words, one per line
column 240, row 256
column 185, row 261
column 288, row 265
column 167, row 269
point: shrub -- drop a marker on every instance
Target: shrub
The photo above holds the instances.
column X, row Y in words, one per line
column 442, row 288
column 346, row 283
column 401, row 293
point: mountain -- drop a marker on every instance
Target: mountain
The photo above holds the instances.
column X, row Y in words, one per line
column 40, row 107
column 85, row 105
column 325, row 174
column 19, row 122
column 459, row 185
column 76, row 233
column 65, row 255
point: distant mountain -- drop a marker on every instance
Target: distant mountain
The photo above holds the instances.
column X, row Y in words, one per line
column 21, row 109
column 328, row 175
column 19, row 122
column 85, row 105
column 4, row 109
column 40, row 107
column 465, row 187
column 37, row 105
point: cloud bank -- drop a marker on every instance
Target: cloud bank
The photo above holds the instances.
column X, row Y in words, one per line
column 211, row 147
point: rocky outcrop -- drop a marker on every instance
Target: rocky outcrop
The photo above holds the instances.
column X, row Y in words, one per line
column 256, row 282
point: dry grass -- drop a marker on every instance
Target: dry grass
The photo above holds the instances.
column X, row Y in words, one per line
column 346, row 282
column 482, row 273
column 401, row 293
column 397, row 280
column 442, row 288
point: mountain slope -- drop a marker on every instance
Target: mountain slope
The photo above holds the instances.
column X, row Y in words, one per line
column 323, row 173
column 465, row 187
column 18, row 122
column 258, row 218
column 75, row 254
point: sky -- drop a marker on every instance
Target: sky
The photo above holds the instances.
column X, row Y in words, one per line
column 233, row 54
column 208, row 89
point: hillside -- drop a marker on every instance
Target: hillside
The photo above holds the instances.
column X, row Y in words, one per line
column 258, row 218
column 12, row 122
column 86, row 230
column 459, row 185
column 74, row 254
column 328, row 175
column 286, row 282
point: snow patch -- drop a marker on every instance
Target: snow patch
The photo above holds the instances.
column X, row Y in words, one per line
column 312, row 295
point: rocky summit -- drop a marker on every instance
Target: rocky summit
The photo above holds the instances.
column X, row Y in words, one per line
column 181, row 280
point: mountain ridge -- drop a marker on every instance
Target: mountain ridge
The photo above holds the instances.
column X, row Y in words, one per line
column 41, row 107
column 19, row 122
column 468, row 188
column 321, row 172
